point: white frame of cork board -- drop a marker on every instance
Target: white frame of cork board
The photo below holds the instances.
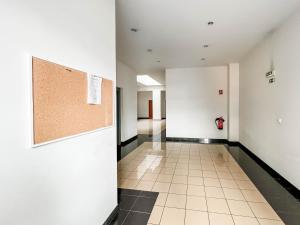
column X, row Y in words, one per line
column 31, row 107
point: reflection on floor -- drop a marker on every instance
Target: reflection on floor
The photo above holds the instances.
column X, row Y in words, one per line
column 153, row 127
column 197, row 184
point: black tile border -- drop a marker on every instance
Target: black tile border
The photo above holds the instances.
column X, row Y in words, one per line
column 143, row 118
column 198, row 140
column 280, row 179
column 143, row 204
column 112, row 216
column 129, row 140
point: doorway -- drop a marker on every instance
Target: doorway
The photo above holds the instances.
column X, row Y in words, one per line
column 150, row 109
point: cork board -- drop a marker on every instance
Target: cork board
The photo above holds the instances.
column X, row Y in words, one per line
column 60, row 106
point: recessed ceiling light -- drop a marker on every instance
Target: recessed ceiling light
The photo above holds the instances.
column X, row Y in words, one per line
column 203, row 59
column 146, row 80
column 134, row 30
column 205, row 46
column 149, row 50
column 210, row 23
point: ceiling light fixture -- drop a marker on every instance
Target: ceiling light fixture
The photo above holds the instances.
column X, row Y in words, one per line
column 210, row 23
column 146, row 80
column 134, row 30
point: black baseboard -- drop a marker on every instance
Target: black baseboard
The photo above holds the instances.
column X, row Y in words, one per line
column 280, row 179
column 144, row 118
column 129, row 141
column 112, row 216
column 198, row 140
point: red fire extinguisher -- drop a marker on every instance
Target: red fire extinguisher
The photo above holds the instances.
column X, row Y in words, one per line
column 219, row 123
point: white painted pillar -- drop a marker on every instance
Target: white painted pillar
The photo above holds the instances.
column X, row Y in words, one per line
column 233, row 101
column 156, row 104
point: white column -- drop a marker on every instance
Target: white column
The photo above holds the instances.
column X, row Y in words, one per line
column 233, row 101
column 156, row 104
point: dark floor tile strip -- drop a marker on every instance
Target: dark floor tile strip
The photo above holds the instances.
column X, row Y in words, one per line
column 283, row 202
column 281, row 180
column 135, row 207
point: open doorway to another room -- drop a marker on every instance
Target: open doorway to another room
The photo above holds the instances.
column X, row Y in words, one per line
column 151, row 112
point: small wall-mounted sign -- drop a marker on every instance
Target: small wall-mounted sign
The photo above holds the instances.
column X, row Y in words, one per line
column 272, row 80
column 270, row 74
column 220, row 92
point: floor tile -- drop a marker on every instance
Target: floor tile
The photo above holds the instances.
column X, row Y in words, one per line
column 263, row 210
column 127, row 202
column 161, row 187
column 183, row 172
column 165, row 178
column 195, row 173
column 128, row 183
column 241, row 220
column 214, row 192
column 176, row 201
column 178, row 179
column 210, row 174
column 173, row 216
column 178, row 189
column 220, row 219
column 253, row 196
column 195, row 180
column 195, row 190
column 149, row 194
column 211, row 182
column 217, row 205
column 234, row 194
column 136, row 218
column 161, row 199
column 145, row 185
column 239, row 208
column 156, row 214
column 227, row 183
column 196, row 203
column 270, row 222
column 143, row 204
column 120, row 217
column 150, row 177
column 245, row 184
column 196, row 218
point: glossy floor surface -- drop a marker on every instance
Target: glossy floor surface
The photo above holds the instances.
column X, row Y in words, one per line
column 197, row 184
column 148, row 126
column 135, row 207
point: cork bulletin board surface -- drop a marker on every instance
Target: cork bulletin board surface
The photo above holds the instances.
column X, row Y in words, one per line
column 60, row 106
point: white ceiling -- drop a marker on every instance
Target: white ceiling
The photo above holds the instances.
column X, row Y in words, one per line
column 176, row 30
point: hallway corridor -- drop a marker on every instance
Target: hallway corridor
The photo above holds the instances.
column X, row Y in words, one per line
column 197, row 184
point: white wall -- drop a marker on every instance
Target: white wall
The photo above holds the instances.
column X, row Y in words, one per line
column 262, row 104
column 156, row 104
column 233, row 102
column 151, row 88
column 163, row 104
column 72, row 182
column 193, row 102
column 126, row 79
column 143, row 103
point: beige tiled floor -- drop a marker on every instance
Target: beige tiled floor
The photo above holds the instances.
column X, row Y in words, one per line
column 197, row 184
